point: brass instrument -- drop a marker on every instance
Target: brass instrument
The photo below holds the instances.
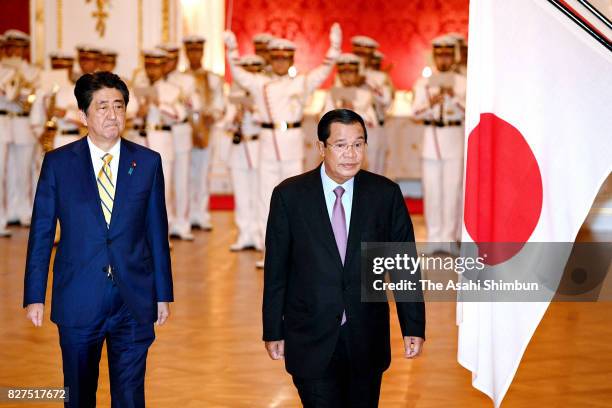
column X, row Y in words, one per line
column 201, row 122
column 50, row 130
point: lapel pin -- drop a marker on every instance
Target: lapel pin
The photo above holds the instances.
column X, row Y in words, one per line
column 131, row 170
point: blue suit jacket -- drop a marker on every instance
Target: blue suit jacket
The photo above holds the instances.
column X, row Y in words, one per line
column 135, row 245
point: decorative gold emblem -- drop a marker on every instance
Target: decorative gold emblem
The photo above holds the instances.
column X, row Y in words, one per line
column 100, row 15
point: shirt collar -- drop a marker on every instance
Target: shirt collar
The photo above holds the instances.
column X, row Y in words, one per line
column 99, row 153
column 329, row 185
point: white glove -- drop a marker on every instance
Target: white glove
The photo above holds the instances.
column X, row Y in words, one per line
column 230, row 40
column 335, row 36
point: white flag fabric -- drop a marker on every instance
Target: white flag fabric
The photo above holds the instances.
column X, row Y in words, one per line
column 538, row 148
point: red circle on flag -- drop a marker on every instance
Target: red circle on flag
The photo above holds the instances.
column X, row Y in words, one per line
column 503, row 188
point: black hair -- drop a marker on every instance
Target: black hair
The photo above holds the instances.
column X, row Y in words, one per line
column 87, row 84
column 344, row 116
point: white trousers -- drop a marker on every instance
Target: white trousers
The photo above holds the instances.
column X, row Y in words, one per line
column 246, row 198
column 442, row 180
column 200, row 194
column 3, row 166
column 271, row 173
column 19, row 185
column 182, row 167
column 376, row 150
column 161, row 142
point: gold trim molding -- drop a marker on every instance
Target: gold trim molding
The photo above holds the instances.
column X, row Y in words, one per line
column 165, row 34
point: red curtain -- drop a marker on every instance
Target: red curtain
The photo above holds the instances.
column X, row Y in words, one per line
column 14, row 14
column 404, row 28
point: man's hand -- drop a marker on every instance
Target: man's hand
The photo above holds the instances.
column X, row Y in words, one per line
column 276, row 349
column 163, row 311
column 230, row 40
column 413, row 346
column 335, row 36
column 34, row 312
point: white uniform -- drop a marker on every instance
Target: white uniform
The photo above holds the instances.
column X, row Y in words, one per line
column 182, row 138
column 279, row 101
column 21, row 152
column 377, row 140
column 211, row 103
column 6, row 75
column 244, row 167
column 159, row 121
column 442, row 154
column 362, row 103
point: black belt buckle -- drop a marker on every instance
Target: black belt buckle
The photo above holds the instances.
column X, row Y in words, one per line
column 237, row 138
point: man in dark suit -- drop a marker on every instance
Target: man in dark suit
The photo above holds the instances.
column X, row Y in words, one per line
column 335, row 346
column 111, row 275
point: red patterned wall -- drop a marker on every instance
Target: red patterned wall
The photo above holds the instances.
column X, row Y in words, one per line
column 14, row 14
column 404, row 28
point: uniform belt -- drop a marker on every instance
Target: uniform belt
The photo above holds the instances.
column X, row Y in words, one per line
column 438, row 123
column 281, row 125
column 253, row 138
column 381, row 122
column 165, row 128
column 70, row 132
column 18, row 114
column 3, row 112
column 186, row 120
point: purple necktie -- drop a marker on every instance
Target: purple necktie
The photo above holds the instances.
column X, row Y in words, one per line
column 339, row 227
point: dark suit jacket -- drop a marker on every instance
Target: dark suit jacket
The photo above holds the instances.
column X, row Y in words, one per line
column 135, row 245
column 306, row 287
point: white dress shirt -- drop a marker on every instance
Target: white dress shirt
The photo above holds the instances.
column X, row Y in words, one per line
column 330, row 197
column 96, row 158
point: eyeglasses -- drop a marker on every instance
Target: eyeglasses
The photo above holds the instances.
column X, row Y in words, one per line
column 344, row 147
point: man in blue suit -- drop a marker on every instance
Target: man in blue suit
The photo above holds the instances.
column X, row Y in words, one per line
column 111, row 275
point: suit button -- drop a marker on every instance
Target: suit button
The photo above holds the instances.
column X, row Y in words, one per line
column 109, row 241
column 338, row 317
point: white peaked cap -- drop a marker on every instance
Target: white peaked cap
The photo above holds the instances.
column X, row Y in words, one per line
column 263, row 38
column 61, row 54
column 364, row 41
column 16, row 35
column 251, row 59
column 155, row 53
column 194, row 39
column 444, row 41
column 348, row 58
column 281, row 44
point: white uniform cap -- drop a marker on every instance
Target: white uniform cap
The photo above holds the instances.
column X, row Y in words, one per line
column 364, row 41
column 457, row 37
column 61, row 54
column 263, row 38
column 348, row 58
column 168, row 47
column 155, row 53
column 281, row 44
column 193, row 39
column 443, row 41
column 108, row 51
column 87, row 48
column 16, row 35
column 251, row 59
column 378, row 55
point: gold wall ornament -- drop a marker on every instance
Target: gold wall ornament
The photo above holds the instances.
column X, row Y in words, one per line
column 100, row 15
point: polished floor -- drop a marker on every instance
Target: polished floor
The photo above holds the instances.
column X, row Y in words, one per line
column 210, row 354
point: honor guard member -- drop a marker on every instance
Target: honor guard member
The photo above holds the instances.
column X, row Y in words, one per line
column 364, row 47
column 160, row 107
column 279, row 100
column 45, row 108
column 376, row 65
column 108, row 60
column 260, row 45
column 20, row 93
column 439, row 102
column 353, row 93
column 202, row 118
column 182, row 139
column 6, row 74
column 88, row 58
column 244, row 159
